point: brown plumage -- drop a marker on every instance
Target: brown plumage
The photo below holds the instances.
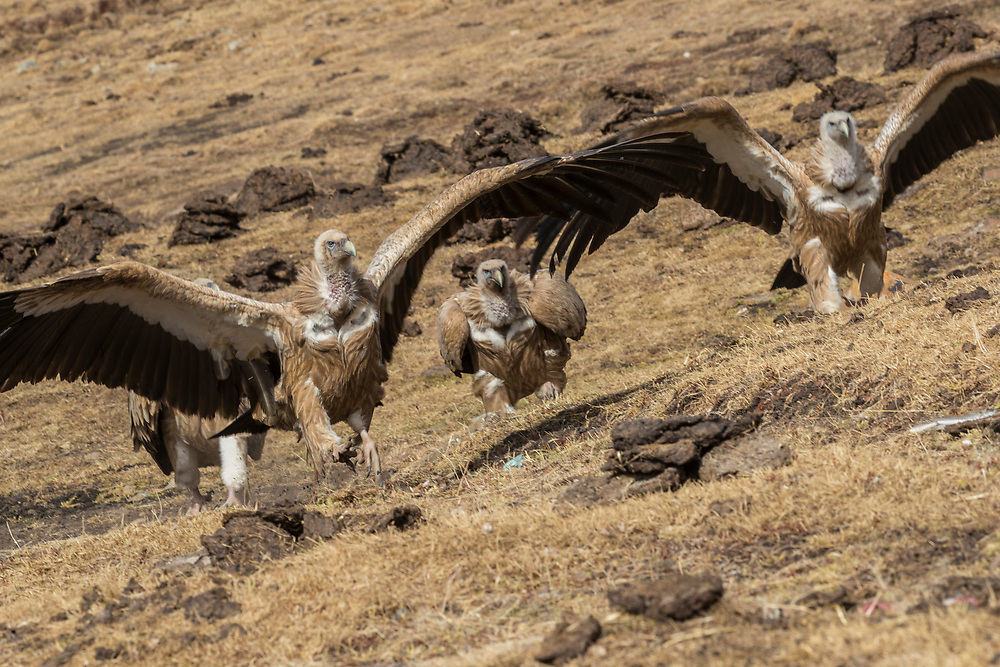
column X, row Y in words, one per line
column 510, row 331
column 182, row 444
column 318, row 359
column 833, row 204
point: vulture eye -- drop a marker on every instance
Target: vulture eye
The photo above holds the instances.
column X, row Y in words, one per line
column 331, row 244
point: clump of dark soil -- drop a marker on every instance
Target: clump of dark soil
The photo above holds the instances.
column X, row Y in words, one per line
column 675, row 596
column 618, row 106
column 802, row 62
column 780, row 142
column 403, row 517
column 946, row 252
column 484, row 231
column 494, row 138
column 263, row 270
column 844, row 94
column 207, row 217
column 73, row 237
column 343, row 198
column 568, row 641
column 464, row 266
column 412, row 157
column 654, row 455
column 964, row 301
column 929, row 37
column 275, row 189
column 497, row 137
column 212, row 605
column 248, row 538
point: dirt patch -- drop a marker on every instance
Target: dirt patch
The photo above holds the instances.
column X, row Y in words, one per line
column 675, row 597
column 263, row 270
column 73, row 237
column 247, row 538
column 207, row 217
column 410, row 158
column 275, row 189
column 844, row 94
column 404, row 517
column 464, row 266
column 619, row 105
column 212, row 605
column 342, row 198
column 802, row 62
column 485, row 231
column 964, row 301
column 497, row 137
column 653, row 455
column 780, row 141
column 929, row 37
column 568, row 641
column 947, row 252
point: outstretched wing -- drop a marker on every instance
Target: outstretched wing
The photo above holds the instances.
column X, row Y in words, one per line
column 610, row 184
column 744, row 178
column 956, row 104
column 129, row 325
column 144, row 417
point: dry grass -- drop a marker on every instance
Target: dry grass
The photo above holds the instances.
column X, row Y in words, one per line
column 865, row 504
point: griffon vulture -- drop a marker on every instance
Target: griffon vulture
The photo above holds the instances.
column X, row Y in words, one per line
column 833, row 203
column 182, row 444
column 321, row 358
column 510, row 331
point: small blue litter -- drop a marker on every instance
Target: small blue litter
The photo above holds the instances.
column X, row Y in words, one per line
column 515, row 462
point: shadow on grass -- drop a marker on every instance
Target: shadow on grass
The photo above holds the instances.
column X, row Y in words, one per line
column 566, row 423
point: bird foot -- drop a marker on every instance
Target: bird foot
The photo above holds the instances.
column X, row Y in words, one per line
column 368, row 454
column 234, row 499
column 547, row 392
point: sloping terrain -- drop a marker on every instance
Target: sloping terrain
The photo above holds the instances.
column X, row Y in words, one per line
column 862, row 543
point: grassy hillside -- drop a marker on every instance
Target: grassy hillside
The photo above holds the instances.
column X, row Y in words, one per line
column 875, row 545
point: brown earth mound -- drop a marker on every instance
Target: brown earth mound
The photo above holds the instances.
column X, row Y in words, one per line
column 263, row 270
column 844, row 94
column 802, row 62
column 73, row 237
column 618, row 106
column 206, row 218
column 929, row 37
column 497, row 137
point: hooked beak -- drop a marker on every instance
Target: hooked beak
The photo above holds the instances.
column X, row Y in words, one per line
column 498, row 278
column 349, row 248
column 844, row 128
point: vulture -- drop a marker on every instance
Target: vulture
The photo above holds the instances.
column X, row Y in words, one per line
column 319, row 359
column 832, row 203
column 182, row 444
column 510, row 331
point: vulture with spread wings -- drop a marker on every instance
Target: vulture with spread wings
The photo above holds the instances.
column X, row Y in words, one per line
column 320, row 358
column 832, row 204
column 509, row 330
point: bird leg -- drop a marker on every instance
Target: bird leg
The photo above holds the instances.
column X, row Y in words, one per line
column 814, row 264
column 233, row 469
column 493, row 393
column 367, row 449
column 317, row 431
column 199, row 503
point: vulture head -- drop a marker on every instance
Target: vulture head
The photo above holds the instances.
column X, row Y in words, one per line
column 493, row 275
column 841, row 158
column 334, row 252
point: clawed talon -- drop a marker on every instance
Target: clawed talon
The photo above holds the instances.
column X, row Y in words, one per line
column 547, row 392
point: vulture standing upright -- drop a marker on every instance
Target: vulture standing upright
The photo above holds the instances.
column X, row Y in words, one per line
column 832, row 204
column 510, row 331
column 182, row 444
column 320, row 358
